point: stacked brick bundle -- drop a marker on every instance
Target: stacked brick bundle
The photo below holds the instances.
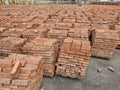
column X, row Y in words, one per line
column 60, row 31
column 2, row 29
column 119, row 40
column 48, row 48
column 104, row 43
column 105, row 3
column 26, row 33
column 32, row 33
column 59, row 34
column 11, row 44
column 74, row 58
column 3, row 55
column 117, row 27
column 21, row 72
column 81, row 33
column 13, row 32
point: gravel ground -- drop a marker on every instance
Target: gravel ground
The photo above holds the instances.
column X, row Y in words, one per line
column 106, row 80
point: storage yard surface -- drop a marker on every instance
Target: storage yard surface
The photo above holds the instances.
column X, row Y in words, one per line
column 51, row 40
column 106, row 80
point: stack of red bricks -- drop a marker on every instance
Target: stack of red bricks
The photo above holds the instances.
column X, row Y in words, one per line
column 117, row 27
column 59, row 34
column 21, row 72
column 60, row 31
column 74, row 58
column 3, row 55
column 25, row 33
column 81, row 33
column 105, row 3
column 2, row 29
column 48, row 48
column 11, row 44
column 104, row 43
column 32, row 33
column 13, row 32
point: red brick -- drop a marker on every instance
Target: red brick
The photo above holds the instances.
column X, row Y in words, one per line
column 63, row 26
column 7, row 70
column 16, row 69
column 23, row 76
column 27, row 70
column 20, row 82
column 5, row 75
column 34, row 60
column 5, row 81
column 69, row 20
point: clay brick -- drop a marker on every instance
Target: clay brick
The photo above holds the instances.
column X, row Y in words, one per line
column 26, row 70
column 68, row 40
column 66, row 46
column 69, row 20
column 16, row 69
column 9, row 86
column 63, row 26
column 23, row 76
column 7, row 70
column 22, row 88
column 5, row 75
column 20, row 82
column 5, row 81
column 34, row 60
column 6, row 65
column 5, row 89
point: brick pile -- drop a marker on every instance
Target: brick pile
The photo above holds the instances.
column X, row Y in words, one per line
column 74, row 58
column 3, row 55
column 55, row 22
column 105, row 3
column 2, row 29
column 117, row 27
column 59, row 34
column 32, row 33
column 48, row 48
column 11, row 44
column 119, row 40
column 25, row 33
column 82, row 33
column 13, row 32
column 21, row 72
column 104, row 43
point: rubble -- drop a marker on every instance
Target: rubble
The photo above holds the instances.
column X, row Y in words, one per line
column 99, row 70
column 111, row 69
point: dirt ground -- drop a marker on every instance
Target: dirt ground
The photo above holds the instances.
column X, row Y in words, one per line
column 106, row 80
